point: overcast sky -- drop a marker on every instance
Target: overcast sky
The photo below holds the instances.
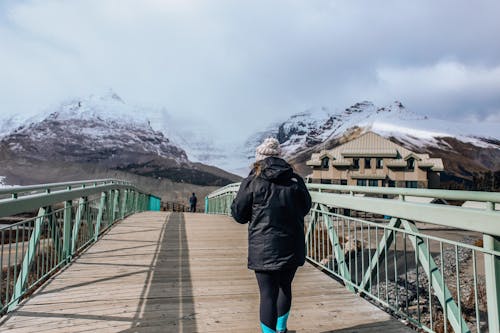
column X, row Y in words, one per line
column 241, row 64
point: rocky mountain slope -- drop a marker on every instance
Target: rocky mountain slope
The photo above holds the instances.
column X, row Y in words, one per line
column 466, row 149
column 103, row 131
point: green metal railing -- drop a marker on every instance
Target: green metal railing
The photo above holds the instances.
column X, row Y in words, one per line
column 43, row 227
column 436, row 266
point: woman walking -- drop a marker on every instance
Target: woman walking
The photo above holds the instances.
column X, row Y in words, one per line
column 273, row 200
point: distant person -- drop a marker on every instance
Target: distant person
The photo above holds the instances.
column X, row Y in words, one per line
column 273, row 200
column 193, row 200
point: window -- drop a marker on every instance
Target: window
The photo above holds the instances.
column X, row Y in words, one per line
column 392, row 183
column 368, row 163
column 380, row 163
column 324, row 162
column 373, row 182
column 411, row 184
column 411, row 163
column 326, row 181
column 361, row 182
column 355, row 163
column 343, row 182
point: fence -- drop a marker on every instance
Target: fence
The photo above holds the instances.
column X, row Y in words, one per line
column 436, row 266
column 57, row 222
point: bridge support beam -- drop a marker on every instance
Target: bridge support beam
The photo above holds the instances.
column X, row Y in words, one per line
column 384, row 244
column 28, row 260
column 339, row 253
column 435, row 278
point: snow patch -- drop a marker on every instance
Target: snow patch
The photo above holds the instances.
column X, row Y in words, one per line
column 2, row 183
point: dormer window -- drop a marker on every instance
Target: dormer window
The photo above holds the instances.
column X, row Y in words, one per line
column 355, row 163
column 411, row 163
column 325, row 162
column 380, row 163
column 368, row 163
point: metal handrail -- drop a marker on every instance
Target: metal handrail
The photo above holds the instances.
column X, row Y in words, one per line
column 427, row 193
column 493, row 197
column 364, row 241
column 19, row 204
column 71, row 216
column 50, row 186
column 228, row 188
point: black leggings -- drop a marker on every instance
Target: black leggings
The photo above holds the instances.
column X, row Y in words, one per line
column 275, row 295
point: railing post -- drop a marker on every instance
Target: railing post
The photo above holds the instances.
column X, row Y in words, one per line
column 67, row 230
column 492, row 271
column 109, row 206
column 76, row 227
column 115, row 204
column 99, row 216
column 124, row 203
column 136, row 200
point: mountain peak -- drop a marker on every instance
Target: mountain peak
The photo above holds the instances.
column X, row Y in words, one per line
column 106, row 107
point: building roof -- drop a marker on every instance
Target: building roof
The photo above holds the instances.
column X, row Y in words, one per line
column 373, row 145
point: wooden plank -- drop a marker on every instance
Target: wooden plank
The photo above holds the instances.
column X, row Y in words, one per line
column 161, row 272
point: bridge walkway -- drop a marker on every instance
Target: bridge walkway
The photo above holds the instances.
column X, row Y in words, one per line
column 174, row 272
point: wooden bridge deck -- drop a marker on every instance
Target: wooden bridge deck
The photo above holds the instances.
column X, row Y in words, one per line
column 173, row 272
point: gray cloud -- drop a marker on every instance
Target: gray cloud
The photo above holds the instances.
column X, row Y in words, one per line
column 228, row 63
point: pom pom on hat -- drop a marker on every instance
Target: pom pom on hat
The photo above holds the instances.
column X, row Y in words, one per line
column 270, row 147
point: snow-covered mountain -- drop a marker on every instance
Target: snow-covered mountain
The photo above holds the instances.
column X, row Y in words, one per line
column 105, row 131
column 91, row 129
column 465, row 147
column 319, row 125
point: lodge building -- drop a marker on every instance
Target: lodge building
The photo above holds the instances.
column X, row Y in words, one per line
column 372, row 160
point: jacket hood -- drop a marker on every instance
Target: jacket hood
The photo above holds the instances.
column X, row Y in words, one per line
column 275, row 169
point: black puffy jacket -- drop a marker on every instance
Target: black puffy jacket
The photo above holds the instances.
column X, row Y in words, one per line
column 274, row 203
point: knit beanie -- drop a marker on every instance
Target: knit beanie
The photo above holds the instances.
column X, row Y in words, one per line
column 270, row 147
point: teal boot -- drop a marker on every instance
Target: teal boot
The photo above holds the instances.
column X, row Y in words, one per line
column 266, row 329
column 281, row 324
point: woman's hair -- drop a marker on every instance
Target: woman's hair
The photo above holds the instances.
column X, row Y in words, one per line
column 257, row 169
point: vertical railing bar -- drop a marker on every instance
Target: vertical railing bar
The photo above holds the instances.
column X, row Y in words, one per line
column 322, row 225
column 16, row 257
column 476, row 302
column 50, row 246
column 54, row 242
column 350, row 242
column 417, row 240
column 1, row 268
column 23, row 254
column 337, row 259
column 429, row 283
column 23, row 230
column 356, row 252
column 378, row 266
column 343, row 239
column 445, row 310
column 385, row 268
column 316, row 239
column 369, row 257
column 396, row 267
column 7, row 286
column 38, row 252
column 362, row 251
column 457, row 273
column 406, row 272
column 327, row 250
